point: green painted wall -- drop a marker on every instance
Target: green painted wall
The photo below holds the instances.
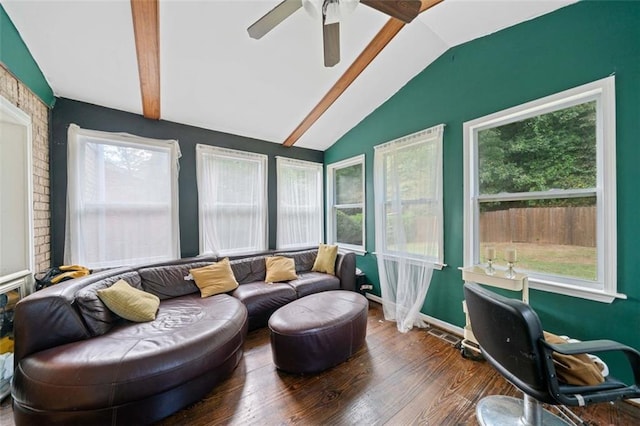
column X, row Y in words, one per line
column 15, row 55
column 572, row 46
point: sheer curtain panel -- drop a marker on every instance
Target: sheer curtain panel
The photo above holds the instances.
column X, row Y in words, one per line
column 409, row 236
column 300, row 208
column 232, row 198
column 122, row 199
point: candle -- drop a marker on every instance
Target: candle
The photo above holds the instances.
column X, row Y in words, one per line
column 511, row 256
column 491, row 253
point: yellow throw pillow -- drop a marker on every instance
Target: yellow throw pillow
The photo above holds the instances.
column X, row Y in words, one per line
column 215, row 278
column 280, row 268
column 129, row 302
column 326, row 259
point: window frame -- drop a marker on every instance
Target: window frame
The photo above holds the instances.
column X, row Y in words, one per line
column 307, row 165
column 11, row 114
column 602, row 91
column 332, row 207
column 203, row 149
column 75, row 134
column 433, row 134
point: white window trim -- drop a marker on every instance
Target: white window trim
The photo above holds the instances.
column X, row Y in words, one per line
column 602, row 91
column 11, row 113
column 331, row 195
column 233, row 153
column 291, row 162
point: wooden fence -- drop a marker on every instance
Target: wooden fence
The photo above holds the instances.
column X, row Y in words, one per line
column 543, row 225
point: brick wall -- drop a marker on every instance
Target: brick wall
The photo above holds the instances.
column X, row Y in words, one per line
column 18, row 94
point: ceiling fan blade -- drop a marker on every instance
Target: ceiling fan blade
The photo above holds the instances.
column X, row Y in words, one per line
column 404, row 10
column 331, row 41
column 273, row 18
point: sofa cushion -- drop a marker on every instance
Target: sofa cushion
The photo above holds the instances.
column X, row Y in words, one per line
column 215, row 278
column 98, row 318
column 168, row 281
column 190, row 337
column 314, row 282
column 262, row 298
column 280, row 268
column 326, row 259
column 130, row 303
column 303, row 259
column 249, row 270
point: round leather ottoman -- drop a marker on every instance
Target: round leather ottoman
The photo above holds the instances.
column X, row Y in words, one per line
column 318, row 331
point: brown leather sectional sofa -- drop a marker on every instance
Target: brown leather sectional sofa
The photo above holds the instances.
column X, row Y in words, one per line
column 78, row 363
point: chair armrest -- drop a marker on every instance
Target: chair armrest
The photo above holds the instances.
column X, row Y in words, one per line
column 588, row 347
column 595, row 346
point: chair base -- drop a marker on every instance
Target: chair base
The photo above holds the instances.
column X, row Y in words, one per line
column 506, row 410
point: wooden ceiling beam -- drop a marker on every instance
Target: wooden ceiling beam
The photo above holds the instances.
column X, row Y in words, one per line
column 379, row 41
column 146, row 28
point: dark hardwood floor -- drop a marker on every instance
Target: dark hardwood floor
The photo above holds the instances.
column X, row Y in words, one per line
column 396, row 379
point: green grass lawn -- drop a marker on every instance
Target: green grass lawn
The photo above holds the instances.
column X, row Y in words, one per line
column 571, row 261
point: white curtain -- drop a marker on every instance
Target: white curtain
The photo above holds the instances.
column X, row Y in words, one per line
column 409, row 236
column 300, row 209
column 232, row 198
column 122, row 199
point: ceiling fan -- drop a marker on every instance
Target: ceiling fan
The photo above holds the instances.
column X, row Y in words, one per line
column 331, row 12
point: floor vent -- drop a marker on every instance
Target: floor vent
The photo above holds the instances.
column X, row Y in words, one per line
column 447, row 337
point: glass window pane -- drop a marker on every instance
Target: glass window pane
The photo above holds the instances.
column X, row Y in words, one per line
column 414, row 231
column 555, row 236
column 349, row 226
column 300, row 209
column 126, row 211
column 126, row 175
column 14, row 199
column 410, row 172
column 556, row 150
column 349, row 184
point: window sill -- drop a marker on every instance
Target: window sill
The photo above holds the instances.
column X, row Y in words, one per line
column 358, row 251
column 573, row 291
column 415, row 260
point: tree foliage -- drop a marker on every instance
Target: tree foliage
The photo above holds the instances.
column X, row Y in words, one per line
column 556, row 150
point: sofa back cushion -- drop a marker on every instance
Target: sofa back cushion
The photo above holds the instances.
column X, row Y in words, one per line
column 304, row 259
column 249, row 269
column 96, row 315
column 169, row 281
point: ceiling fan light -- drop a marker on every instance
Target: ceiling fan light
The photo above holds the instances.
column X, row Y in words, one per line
column 337, row 10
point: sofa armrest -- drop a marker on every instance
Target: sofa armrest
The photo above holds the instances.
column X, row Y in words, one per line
column 49, row 317
column 45, row 321
column 346, row 270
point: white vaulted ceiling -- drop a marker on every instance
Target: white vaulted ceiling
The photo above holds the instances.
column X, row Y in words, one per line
column 214, row 76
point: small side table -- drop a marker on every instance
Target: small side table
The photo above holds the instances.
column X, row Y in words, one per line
column 477, row 274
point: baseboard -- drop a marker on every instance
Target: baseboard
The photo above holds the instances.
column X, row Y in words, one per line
column 635, row 402
column 454, row 329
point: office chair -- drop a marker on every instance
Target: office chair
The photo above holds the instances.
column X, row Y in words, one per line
column 510, row 336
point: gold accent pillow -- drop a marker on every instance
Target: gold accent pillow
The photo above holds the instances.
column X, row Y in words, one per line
column 280, row 268
column 326, row 259
column 215, row 278
column 129, row 302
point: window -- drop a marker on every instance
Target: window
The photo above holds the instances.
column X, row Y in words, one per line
column 232, row 200
column 345, row 204
column 16, row 253
column 122, row 199
column 541, row 180
column 408, row 185
column 300, row 207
